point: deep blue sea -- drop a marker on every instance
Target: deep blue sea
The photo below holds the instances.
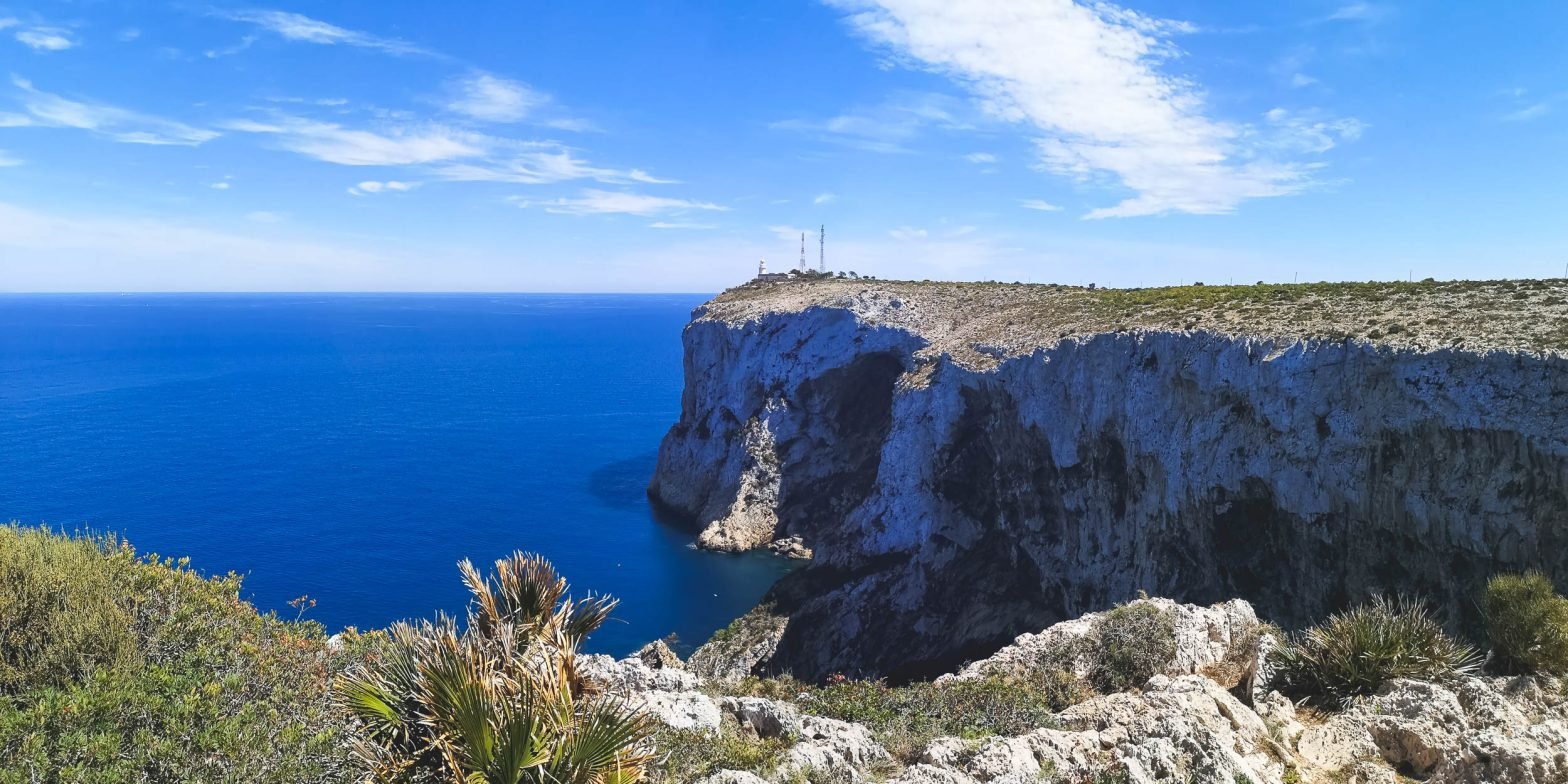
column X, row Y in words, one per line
column 353, row 448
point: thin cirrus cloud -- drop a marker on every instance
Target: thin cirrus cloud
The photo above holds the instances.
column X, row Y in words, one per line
column 333, row 143
column 541, row 163
column 601, row 202
column 46, row 39
column 303, row 29
column 1089, row 81
column 1038, row 204
column 450, row 153
column 374, row 186
column 889, row 127
column 491, row 98
column 44, row 109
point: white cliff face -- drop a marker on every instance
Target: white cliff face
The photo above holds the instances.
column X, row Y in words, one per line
column 953, row 503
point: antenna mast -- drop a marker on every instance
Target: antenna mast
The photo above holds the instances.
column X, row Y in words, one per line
column 803, row 251
column 822, row 250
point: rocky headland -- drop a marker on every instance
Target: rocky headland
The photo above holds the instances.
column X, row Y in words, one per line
column 965, row 463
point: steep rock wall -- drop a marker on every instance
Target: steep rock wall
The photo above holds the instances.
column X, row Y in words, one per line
column 952, row 505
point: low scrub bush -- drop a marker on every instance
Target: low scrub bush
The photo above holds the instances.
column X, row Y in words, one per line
column 1354, row 652
column 499, row 701
column 906, row 718
column 691, row 755
column 1128, row 645
column 59, row 622
column 1526, row 624
column 176, row 678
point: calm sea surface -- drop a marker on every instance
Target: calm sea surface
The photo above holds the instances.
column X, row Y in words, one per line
column 354, row 447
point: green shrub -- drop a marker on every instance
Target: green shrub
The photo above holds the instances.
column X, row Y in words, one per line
column 1128, row 645
column 501, row 701
column 906, row 718
column 692, row 755
column 208, row 691
column 59, row 622
column 1527, row 624
column 1356, row 651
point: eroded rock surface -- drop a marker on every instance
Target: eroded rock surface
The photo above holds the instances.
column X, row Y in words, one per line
column 971, row 463
column 1186, row 723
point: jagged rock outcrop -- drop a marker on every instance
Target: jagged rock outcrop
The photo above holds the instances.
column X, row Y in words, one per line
column 1186, row 723
column 971, row 463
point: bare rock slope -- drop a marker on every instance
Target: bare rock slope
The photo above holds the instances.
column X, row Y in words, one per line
column 968, row 462
column 1192, row 721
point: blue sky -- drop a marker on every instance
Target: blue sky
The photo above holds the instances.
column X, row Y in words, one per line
column 614, row 146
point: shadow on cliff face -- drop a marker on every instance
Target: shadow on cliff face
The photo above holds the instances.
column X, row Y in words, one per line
column 1030, row 542
column 845, row 416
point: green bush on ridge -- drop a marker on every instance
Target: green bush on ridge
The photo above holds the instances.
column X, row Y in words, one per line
column 1354, row 652
column 195, row 685
column 1526, row 624
column 57, row 622
column 1128, row 645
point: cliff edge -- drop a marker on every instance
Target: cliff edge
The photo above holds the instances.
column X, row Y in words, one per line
column 970, row 461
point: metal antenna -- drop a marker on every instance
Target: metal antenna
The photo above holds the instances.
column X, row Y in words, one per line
column 822, row 250
column 803, row 251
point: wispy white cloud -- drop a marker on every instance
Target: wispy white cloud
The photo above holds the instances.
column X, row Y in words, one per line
column 1090, row 81
column 46, row 39
column 1531, row 112
column 907, row 233
column 390, row 186
column 334, row 143
column 599, row 202
column 7, row 22
column 7, row 160
column 220, row 186
column 1309, row 131
column 128, row 34
column 980, row 157
column 122, row 125
column 301, row 28
column 244, row 43
column 544, row 164
column 1359, row 12
column 824, row 198
column 1528, row 107
column 1037, row 204
column 680, row 225
column 888, row 127
column 442, row 151
column 491, row 98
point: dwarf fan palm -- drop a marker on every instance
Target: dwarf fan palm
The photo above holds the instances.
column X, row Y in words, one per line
column 501, row 701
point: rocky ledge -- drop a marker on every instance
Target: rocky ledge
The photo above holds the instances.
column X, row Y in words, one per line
column 1206, row 716
column 966, row 462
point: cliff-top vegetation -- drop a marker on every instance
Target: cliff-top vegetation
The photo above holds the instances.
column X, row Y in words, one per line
column 989, row 319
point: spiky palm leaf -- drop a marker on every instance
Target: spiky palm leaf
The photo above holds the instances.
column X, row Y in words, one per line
column 501, row 702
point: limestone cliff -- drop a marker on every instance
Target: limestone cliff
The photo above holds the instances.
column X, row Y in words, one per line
column 972, row 461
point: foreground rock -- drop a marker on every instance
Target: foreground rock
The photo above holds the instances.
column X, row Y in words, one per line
column 970, row 462
column 1194, row 721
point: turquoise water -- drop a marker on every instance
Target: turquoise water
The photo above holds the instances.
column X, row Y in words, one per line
column 354, row 447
